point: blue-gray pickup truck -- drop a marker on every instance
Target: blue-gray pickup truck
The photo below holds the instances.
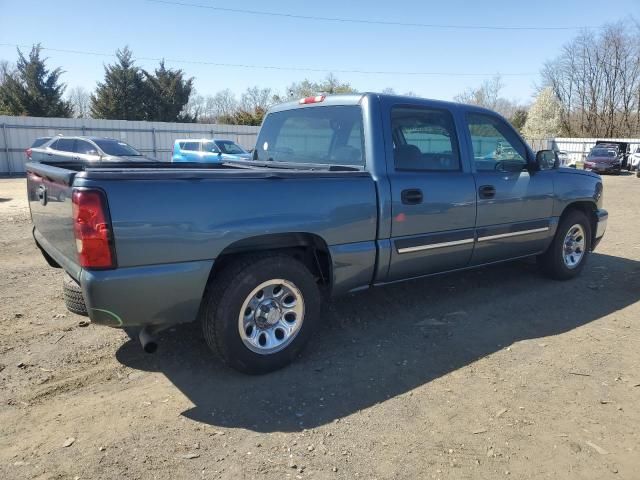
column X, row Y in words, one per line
column 342, row 193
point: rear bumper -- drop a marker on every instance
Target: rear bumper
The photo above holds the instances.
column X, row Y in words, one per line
column 602, row 168
column 601, row 227
column 149, row 295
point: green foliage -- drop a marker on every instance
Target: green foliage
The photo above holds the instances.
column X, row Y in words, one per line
column 306, row 88
column 31, row 89
column 244, row 117
column 130, row 93
column 123, row 94
column 518, row 119
column 168, row 93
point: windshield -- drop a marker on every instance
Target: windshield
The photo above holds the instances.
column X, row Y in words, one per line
column 116, row 148
column 324, row 135
column 601, row 152
column 227, row 146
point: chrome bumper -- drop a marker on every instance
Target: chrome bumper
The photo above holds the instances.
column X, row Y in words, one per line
column 603, row 217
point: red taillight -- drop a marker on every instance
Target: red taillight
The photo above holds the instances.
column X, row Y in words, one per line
column 92, row 230
column 28, row 152
column 316, row 99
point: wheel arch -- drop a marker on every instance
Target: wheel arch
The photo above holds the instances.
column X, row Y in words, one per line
column 589, row 208
column 310, row 249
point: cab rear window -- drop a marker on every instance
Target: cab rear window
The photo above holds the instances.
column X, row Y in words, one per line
column 322, row 135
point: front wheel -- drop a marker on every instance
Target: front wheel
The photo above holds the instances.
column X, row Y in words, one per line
column 260, row 312
column 566, row 256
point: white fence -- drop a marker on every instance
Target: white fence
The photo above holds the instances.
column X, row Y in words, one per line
column 152, row 138
column 578, row 148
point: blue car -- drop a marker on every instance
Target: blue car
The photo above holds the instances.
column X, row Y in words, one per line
column 190, row 150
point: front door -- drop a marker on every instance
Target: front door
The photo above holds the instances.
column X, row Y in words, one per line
column 433, row 193
column 515, row 203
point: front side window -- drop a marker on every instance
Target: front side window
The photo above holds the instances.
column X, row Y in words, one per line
column 210, row 147
column 84, row 148
column 495, row 146
column 318, row 135
column 227, row 146
column 424, row 139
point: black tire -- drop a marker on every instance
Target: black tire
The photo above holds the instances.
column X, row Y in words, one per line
column 73, row 298
column 552, row 261
column 226, row 295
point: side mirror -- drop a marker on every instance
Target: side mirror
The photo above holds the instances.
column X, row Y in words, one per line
column 547, row 160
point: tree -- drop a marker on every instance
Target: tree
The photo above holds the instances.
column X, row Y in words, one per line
column 32, row 89
column 256, row 98
column 123, row 95
column 596, row 79
column 519, row 118
column 167, row 94
column 307, row 88
column 486, row 95
column 543, row 120
column 80, row 101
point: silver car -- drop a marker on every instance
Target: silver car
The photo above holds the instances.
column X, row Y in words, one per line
column 85, row 149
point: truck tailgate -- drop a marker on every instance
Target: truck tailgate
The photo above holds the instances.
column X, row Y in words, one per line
column 49, row 194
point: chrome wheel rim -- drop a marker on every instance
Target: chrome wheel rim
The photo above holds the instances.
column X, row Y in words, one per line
column 271, row 316
column 574, row 246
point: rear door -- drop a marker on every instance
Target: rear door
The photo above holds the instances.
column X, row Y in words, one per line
column 191, row 151
column 432, row 189
column 515, row 203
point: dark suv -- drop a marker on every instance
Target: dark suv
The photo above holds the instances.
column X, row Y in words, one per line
column 85, row 149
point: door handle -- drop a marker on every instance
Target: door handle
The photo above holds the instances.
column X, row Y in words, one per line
column 411, row 196
column 487, row 191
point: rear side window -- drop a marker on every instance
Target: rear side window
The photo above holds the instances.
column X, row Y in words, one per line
column 64, row 145
column 191, row 146
column 39, row 142
column 424, row 139
column 322, row 135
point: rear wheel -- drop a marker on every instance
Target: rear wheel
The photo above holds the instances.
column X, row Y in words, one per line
column 566, row 256
column 260, row 312
column 73, row 298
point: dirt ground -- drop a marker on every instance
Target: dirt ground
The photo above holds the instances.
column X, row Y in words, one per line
column 497, row 373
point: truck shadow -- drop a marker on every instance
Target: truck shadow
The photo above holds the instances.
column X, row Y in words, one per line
column 385, row 342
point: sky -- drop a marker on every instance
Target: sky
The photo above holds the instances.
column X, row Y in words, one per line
column 191, row 38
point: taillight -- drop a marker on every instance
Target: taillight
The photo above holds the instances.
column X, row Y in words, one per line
column 316, row 99
column 28, row 152
column 92, row 229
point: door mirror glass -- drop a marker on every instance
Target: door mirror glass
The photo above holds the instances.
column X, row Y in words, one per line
column 547, row 160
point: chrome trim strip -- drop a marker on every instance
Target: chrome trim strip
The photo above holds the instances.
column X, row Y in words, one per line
column 436, row 245
column 512, row 234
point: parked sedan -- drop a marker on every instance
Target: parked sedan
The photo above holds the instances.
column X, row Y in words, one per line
column 190, row 150
column 85, row 149
column 603, row 160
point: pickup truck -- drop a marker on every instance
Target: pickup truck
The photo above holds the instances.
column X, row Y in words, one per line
column 343, row 193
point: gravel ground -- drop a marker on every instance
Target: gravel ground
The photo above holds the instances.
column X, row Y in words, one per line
column 495, row 373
